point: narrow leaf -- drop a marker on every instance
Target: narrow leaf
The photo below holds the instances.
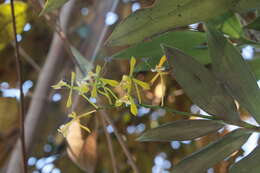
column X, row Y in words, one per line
column 201, row 85
column 232, row 70
column 84, row 64
column 167, row 14
column 249, row 164
column 181, row 130
column 180, row 39
column 255, row 66
column 152, row 52
column 213, row 153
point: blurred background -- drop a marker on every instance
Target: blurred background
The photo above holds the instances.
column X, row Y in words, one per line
column 87, row 24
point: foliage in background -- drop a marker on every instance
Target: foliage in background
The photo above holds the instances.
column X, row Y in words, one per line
column 22, row 16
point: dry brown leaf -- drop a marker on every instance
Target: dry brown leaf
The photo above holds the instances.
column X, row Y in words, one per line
column 82, row 151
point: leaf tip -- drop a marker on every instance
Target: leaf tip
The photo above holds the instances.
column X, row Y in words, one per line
column 42, row 13
column 111, row 41
column 166, row 48
column 141, row 138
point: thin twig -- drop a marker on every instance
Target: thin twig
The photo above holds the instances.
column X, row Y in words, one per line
column 103, row 34
column 29, row 59
column 121, row 141
column 20, row 82
column 110, row 146
column 58, row 28
column 66, row 43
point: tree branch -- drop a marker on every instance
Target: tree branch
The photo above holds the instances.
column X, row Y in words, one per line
column 121, row 141
column 110, row 146
column 20, row 82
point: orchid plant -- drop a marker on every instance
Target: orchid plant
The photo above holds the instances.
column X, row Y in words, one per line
column 94, row 85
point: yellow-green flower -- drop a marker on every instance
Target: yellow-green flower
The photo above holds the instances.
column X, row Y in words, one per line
column 70, row 86
column 83, row 87
column 128, row 81
column 100, row 85
column 127, row 100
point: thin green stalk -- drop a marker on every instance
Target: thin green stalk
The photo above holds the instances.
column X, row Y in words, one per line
column 85, row 97
column 111, row 92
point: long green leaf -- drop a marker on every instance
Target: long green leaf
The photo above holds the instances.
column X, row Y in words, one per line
column 84, row 64
column 178, row 39
column 201, row 85
column 22, row 16
column 249, row 164
column 181, row 130
column 168, row 14
column 229, row 24
column 255, row 66
column 232, row 70
column 213, row 153
column 51, row 5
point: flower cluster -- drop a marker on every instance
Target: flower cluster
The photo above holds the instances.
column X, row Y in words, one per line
column 94, row 84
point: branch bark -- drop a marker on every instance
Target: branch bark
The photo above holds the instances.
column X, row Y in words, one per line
column 98, row 28
column 110, row 146
column 18, row 63
column 121, row 141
